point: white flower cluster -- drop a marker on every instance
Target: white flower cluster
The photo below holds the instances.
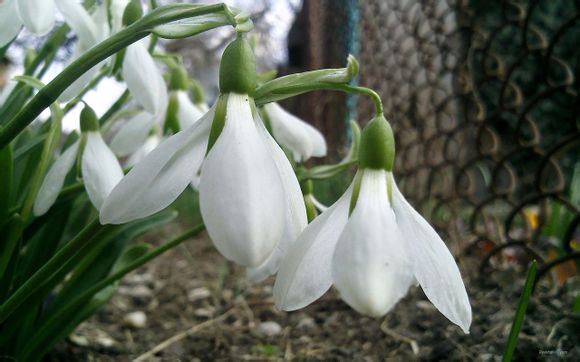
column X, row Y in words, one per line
column 371, row 244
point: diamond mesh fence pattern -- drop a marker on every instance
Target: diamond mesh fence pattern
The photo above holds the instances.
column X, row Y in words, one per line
column 483, row 98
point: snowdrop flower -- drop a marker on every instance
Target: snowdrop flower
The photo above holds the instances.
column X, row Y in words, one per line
column 303, row 140
column 250, row 198
column 36, row 15
column 372, row 245
column 100, row 169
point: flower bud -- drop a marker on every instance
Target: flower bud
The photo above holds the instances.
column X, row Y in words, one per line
column 179, row 79
column 171, row 123
column 238, row 68
column 133, row 12
column 89, row 121
column 377, row 147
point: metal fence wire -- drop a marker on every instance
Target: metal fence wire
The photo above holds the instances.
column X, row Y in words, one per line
column 483, row 97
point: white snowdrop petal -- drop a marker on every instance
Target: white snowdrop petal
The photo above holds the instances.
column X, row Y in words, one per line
column 150, row 144
column 187, row 112
column 54, row 179
column 433, row 264
column 295, row 219
column 37, row 15
column 319, row 205
column 317, row 140
column 101, row 169
column 80, row 21
column 144, row 78
column 159, row 178
column 241, row 194
column 370, row 267
column 10, row 21
column 305, row 272
column 100, row 19
column 293, row 133
column 133, row 134
column 117, row 8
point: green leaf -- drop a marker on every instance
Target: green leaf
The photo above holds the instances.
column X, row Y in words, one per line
column 520, row 313
column 9, row 240
column 6, row 182
column 103, row 257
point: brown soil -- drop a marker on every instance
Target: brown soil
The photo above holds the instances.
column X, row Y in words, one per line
column 186, row 292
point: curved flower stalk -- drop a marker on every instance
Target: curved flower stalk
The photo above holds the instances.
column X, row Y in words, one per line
column 372, row 245
column 303, row 140
column 100, row 169
column 249, row 196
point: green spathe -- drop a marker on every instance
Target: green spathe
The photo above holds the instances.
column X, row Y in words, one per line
column 238, row 68
column 89, row 120
column 377, row 147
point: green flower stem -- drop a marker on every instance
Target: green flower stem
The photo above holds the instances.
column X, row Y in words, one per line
column 366, row 92
column 112, row 278
column 52, row 266
column 263, row 97
column 95, row 55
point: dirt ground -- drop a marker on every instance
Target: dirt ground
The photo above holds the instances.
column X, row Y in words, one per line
column 197, row 306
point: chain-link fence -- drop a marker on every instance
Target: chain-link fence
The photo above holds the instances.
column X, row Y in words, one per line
column 483, row 98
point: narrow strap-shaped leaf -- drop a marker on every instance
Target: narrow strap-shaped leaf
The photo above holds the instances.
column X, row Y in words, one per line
column 10, row 234
column 520, row 314
column 50, row 332
column 50, row 144
column 6, row 171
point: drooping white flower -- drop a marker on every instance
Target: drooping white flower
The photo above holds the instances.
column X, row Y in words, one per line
column 10, row 21
column 248, row 192
column 54, row 180
column 250, row 198
column 38, row 16
column 100, row 168
column 144, row 78
column 377, row 252
column 303, row 140
column 160, row 177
